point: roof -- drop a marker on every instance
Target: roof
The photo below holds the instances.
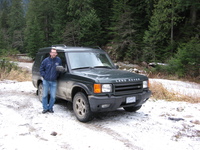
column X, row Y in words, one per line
column 64, row 48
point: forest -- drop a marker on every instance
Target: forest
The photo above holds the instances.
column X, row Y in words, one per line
column 137, row 31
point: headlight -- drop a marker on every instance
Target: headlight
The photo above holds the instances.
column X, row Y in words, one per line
column 102, row 88
column 106, row 88
column 145, row 84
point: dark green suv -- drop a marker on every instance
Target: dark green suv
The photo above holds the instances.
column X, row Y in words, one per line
column 91, row 81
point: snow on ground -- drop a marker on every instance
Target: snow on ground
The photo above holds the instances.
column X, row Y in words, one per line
column 184, row 88
column 157, row 125
column 25, row 65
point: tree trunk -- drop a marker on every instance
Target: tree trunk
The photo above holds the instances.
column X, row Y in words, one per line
column 193, row 14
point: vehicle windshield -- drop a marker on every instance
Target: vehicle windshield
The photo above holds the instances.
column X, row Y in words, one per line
column 89, row 60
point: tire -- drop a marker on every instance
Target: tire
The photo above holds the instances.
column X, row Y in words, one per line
column 40, row 92
column 132, row 109
column 81, row 108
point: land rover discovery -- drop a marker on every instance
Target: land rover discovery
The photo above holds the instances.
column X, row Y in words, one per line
column 92, row 83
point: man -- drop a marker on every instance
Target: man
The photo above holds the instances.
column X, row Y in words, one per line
column 50, row 75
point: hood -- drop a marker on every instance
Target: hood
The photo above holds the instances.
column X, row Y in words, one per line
column 110, row 75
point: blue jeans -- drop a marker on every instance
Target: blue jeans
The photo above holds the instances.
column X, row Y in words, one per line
column 49, row 87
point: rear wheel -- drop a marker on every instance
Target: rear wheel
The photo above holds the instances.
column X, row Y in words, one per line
column 132, row 108
column 40, row 92
column 81, row 108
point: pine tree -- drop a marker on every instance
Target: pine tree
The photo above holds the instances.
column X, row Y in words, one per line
column 16, row 24
column 128, row 22
column 38, row 25
column 83, row 27
column 34, row 33
column 4, row 26
column 189, row 26
column 60, row 17
column 160, row 34
column 104, row 12
column 90, row 29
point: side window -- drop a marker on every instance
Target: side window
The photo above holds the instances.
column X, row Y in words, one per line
column 39, row 58
column 43, row 56
column 63, row 58
column 37, row 61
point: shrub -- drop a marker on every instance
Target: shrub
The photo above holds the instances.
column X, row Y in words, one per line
column 186, row 62
column 6, row 66
column 6, row 53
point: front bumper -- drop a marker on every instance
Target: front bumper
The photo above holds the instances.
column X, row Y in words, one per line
column 97, row 103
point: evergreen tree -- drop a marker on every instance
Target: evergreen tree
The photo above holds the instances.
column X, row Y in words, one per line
column 90, row 29
column 34, row 33
column 4, row 38
column 85, row 25
column 104, row 12
column 186, row 61
column 38, row 25
column 60, row 18
column 189, row 26
column 141, row 12
column 120, row 32
column 128, row 23
column 136, row 29
column 16, row 24
column 160, row 34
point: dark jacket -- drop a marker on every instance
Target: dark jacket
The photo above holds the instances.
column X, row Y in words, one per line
column 48, row 68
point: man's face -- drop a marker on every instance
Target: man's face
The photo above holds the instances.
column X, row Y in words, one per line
column 53, row 53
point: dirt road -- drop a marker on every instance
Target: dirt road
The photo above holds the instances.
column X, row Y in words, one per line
column 158, row 125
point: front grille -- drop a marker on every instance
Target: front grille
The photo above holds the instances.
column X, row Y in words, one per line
column 127, row 88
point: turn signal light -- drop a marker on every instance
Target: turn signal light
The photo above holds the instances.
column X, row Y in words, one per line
column 97, row 88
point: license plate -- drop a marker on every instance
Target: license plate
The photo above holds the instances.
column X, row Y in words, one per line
column 131, row 99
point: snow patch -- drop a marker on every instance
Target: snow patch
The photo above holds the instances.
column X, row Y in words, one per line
column 157, row 125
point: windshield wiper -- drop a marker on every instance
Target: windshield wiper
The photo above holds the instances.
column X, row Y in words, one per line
column 92, row 67
column 102, row 67
column 82, row 68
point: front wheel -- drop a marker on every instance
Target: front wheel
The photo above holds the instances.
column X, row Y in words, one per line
column 81, row 107
column 132, row 108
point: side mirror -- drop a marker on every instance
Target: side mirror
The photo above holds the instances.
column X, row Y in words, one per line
column 61, row 69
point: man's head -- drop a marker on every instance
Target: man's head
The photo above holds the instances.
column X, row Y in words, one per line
column 53, row 53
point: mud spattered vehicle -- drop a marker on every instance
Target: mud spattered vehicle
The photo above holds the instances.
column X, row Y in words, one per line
column 91, row 81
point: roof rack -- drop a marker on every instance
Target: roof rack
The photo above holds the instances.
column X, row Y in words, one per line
column 97, row 47
column 64, row 46
column 59, row 45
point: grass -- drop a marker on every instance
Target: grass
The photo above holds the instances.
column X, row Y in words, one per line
column 159, row 92
column 162, row 74
column 11, row 71
column 18, row 75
